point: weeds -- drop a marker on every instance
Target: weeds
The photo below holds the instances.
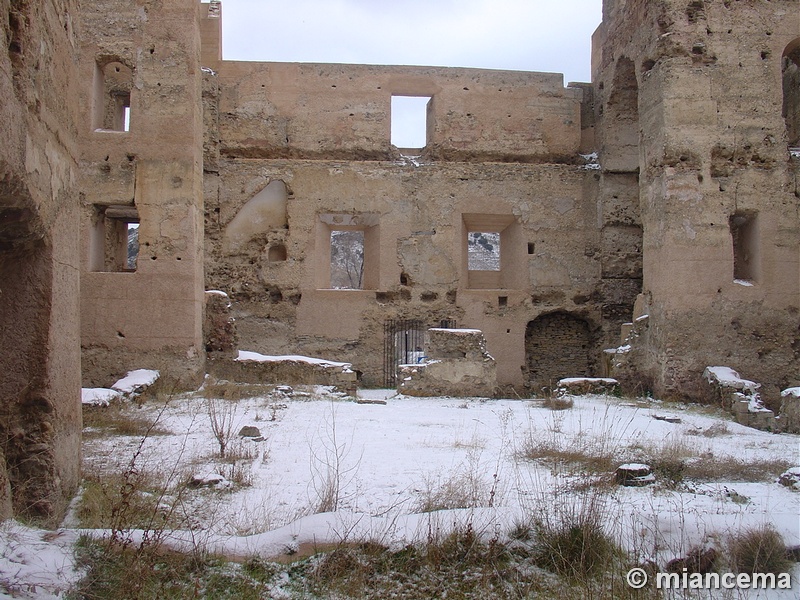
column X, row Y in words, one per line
column 329, row 471
column 557, row 402
column 222, row 416
column 234, row 392
column 119, row 418
column 758, row 550
column 119, row 572
column 467, row 487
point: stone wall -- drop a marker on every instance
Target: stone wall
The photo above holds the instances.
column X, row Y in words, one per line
column 557, row 345
column 456, row 364
column 712, row 156
column 296, row 151
column 39, row 259
column 143, row 59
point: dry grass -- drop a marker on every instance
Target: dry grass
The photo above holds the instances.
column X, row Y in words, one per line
column 120, row 418
column 676, row 461
column 229, row 390
column 758, row 550
column 114, row 571
column 673, row 461
column 574, row 454
column 136, row 502
column 559, row 402
column 463, row 489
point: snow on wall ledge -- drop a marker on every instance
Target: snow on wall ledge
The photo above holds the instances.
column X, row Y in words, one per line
column 252, row 367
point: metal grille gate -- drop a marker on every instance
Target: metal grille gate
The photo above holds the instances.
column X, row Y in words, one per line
column 403, row 344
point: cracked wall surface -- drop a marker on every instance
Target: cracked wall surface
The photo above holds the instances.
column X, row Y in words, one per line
column 667, row 187
column 150, row 316
column 503, row 155
column 40, row 418
column 708, row 79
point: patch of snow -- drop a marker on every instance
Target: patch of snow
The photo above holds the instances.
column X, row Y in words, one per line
column 568, row 380
column 755, row 404
column 35, row 563
column 743, row 282
column 792, row 391
column 391, row 454
column 642, row 318
column 634, row 467
column 245, row 355
column 98, row 396
column 211, row 480
column 413, row 159
column 592, row 163
column 217, row 293
column 456, row 331
column 135, row 380
column 728, row 378
column 794, row 152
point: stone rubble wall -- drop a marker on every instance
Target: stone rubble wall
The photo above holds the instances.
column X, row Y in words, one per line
column 457, row 364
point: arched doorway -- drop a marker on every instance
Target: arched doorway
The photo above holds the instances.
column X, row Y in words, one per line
column 557, row 345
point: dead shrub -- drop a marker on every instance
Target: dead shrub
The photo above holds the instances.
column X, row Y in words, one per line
column 465, row 489
column 758, row 549
column 222, row 417
column 119, row 502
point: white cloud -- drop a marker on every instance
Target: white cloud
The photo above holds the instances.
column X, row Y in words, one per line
column 530, row 35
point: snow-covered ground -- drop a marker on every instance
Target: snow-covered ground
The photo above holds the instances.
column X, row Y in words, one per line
column 330, row 469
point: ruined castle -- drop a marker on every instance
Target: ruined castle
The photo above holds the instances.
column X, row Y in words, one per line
column 646, row 222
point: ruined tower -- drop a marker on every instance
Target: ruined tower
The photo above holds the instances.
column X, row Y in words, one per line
column 141, row 138
column 697, row 108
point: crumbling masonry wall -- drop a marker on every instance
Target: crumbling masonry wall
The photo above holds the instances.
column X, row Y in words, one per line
column 40, row 418
column 502, row 155
column 718, row 190
column 143, row 59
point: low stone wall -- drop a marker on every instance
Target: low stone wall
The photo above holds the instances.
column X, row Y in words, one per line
column 789, row 417
column 740, row 397
column 457, row 365
column 250, row 367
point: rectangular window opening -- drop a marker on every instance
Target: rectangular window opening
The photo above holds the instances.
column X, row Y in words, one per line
column 347, row 259
column 409, row 122
column 132, row 246
column 114, row 241
column 126, row 117
column 744, row 234
column 483, row 251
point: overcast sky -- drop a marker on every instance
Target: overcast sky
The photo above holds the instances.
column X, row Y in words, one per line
column 525, row 35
